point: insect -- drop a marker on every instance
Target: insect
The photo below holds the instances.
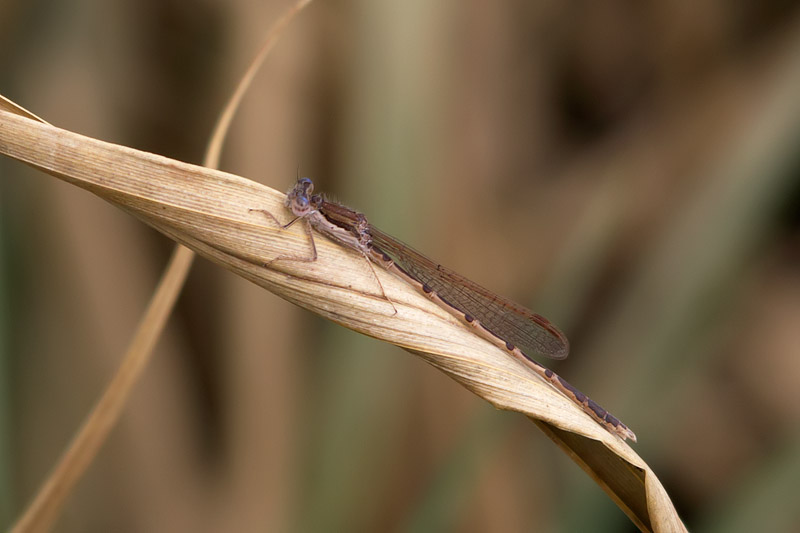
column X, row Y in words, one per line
column 511, row 326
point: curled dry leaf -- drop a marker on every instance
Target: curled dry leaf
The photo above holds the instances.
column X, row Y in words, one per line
column 211, row 212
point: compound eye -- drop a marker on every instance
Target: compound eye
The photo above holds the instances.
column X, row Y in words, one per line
column 306, row 184
column 300, row 205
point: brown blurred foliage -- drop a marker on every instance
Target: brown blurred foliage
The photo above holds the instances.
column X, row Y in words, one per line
column 627, row 169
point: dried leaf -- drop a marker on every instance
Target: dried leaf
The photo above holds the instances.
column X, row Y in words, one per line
column 216, row 215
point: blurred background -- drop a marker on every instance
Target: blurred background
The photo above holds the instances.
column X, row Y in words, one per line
column 629, row 170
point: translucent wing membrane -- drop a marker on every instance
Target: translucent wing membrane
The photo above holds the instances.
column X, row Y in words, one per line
column 505, row 319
